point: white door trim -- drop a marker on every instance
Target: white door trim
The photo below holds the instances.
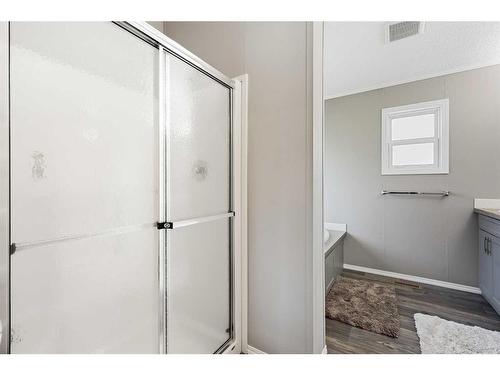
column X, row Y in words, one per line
column 318, row 258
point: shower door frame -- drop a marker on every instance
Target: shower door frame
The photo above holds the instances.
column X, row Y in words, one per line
column 237, row 179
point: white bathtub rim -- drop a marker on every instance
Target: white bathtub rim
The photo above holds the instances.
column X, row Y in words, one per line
column 336, row 238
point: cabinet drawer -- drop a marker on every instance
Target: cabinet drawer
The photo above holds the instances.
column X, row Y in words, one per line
column 489, row 225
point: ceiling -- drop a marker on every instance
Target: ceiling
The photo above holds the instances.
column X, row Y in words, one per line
column 358, row 58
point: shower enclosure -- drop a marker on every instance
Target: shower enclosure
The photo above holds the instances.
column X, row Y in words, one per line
column 122, row 199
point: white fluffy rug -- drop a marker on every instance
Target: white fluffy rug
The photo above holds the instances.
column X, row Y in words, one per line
column 439, row 336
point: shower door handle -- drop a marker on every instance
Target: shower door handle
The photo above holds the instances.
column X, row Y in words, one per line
column 164, row 225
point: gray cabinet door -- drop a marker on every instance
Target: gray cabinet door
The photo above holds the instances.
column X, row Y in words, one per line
column 485, row 266
column 495, row 261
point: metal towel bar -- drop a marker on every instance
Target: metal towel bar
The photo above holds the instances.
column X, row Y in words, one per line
column 441, row 193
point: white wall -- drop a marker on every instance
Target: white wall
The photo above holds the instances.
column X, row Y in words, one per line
column 357, row 58
column 276, row 55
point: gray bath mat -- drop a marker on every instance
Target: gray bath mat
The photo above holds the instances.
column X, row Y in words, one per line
column 364, row 304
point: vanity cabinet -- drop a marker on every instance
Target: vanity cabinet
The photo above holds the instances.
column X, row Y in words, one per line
column 495, row 250
column 489, row 260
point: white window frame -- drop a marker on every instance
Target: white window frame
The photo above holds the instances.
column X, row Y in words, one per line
column 440, row 109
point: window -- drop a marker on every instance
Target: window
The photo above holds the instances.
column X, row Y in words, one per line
column 415, row 138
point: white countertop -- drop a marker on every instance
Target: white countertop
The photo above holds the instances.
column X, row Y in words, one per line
column 487, row 207
column 494, row 213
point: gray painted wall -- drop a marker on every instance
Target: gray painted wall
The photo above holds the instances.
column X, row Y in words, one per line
column 427, row 237
column 276, row 55
column 159, row 25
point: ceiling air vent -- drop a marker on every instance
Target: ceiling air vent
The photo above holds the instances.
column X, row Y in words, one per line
column 404, row 29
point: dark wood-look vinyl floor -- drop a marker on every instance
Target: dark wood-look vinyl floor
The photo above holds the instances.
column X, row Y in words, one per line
column 461, row 307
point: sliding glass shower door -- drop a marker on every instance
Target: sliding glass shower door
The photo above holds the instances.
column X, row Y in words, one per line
column 198, row 210
column 84, row 183
column 121, row 213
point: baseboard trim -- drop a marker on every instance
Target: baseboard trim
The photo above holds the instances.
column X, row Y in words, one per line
column 418, row 279
column 252, row 350
column 325, row 350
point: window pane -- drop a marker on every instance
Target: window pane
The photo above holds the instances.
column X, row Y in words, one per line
column 411, row 127
column 415, row 154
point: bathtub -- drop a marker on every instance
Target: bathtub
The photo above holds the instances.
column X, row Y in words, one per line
column 333, row 248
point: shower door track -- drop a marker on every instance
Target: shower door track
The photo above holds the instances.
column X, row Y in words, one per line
column 154, row 37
